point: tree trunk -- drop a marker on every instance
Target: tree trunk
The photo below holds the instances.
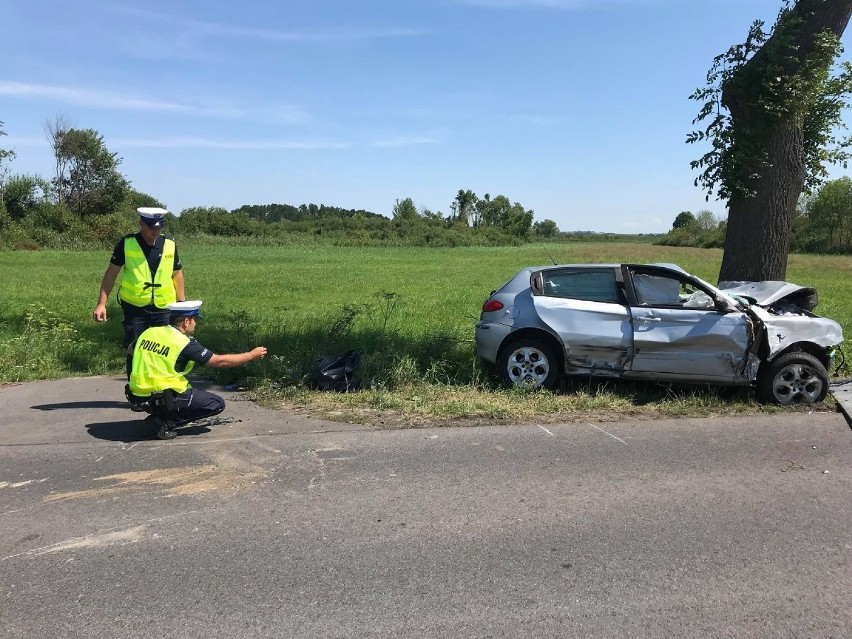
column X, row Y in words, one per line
column 757, row 240
column 758, row 235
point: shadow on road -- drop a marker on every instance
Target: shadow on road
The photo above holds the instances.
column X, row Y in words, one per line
column 123, row 431
column 135, row 431
column 93, row 404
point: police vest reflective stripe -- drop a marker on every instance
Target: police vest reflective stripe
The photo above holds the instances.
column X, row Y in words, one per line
column 138, row 285
column 154, row 359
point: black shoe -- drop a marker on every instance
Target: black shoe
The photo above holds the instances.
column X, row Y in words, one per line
column 165, row 428
column 135, row 405
column 166, row 431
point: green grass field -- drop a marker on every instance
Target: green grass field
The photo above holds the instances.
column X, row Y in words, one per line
column 410, row 311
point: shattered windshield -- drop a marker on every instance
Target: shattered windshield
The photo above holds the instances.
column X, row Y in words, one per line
column 734, row 300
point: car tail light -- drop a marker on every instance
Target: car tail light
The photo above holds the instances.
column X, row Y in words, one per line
column 491, row 305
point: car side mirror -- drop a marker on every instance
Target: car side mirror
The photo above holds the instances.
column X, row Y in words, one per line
column 722, row 306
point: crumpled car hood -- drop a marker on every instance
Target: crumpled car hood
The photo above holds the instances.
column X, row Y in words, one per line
column 768, row 293
column 783, row 330
column 785, row 310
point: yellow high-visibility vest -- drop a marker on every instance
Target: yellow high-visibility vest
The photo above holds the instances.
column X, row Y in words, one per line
column 154, row 359
column 138, row 285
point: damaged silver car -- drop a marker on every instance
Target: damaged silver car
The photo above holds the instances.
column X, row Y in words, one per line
column 657, row 322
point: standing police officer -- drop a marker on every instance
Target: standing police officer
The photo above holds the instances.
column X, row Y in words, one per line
column 162, row 358
column 152, row 278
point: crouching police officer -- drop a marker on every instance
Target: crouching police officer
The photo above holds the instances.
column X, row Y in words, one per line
column 164, row 356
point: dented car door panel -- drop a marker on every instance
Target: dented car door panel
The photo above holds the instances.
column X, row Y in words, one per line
column 597, row 336
column 587, row 310
column 679, row 333
column 690, row 344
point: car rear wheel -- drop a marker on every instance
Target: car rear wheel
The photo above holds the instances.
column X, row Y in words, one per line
column 530, row 364
column 794, row 378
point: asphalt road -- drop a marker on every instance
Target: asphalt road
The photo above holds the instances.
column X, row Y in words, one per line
column 278, row 526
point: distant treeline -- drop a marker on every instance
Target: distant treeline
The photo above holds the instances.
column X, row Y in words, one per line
column 621, row 238
column 87, row 202
column 330, row 225
column 822, row 224
column 288, row 212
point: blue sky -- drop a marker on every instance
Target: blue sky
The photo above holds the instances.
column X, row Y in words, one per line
column 577, row 109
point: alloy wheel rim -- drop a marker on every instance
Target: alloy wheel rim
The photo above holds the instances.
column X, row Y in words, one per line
column 797, row 383
column 528, row 367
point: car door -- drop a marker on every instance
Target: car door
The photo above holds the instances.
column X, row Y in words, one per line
column 678, row 331
column 587, row 309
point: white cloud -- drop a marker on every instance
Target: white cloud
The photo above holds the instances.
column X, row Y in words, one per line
column 115, row 100
column 188, row 142
column 405, row 141
column 500, row 4
column 327, row 35
column 232, row 30
column 88, row 97
column 184, row 142
column 547, row 4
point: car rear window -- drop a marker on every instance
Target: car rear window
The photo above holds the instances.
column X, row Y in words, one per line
column 593, row 286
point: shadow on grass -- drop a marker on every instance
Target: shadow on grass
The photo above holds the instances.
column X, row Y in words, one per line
column 389, row 356
column 646, row 393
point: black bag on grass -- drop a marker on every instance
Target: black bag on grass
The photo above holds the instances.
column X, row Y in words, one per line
column 336, row 372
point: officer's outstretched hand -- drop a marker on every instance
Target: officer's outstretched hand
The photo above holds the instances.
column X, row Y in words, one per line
column 259, row 352
column 99, row 314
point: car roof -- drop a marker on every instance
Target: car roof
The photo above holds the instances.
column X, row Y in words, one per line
column 668, row 265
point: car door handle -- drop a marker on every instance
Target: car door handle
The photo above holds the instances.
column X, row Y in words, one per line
column 650, row 319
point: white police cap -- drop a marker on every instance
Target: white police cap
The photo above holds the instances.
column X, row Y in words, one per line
column 189, row 308
column 152, row 215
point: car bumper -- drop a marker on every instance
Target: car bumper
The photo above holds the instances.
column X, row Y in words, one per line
column 489, row 337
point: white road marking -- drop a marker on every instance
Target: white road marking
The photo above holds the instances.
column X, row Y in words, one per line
column 546, row 431
column 18, row 484
column 105, row 538
column 610, row 434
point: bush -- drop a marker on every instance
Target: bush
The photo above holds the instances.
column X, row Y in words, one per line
column 678, row 237
column 105, row 230
column 5, row 218
column 43, row 343
column 23, row 194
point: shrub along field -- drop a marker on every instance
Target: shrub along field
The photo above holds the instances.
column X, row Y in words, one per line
column 410, row 311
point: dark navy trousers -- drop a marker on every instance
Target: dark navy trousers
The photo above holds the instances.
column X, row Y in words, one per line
column 195, row 404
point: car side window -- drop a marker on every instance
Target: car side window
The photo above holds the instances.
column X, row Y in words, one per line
column 590, row 285
column 653, row 289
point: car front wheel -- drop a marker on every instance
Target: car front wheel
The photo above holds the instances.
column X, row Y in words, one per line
column 529, row 364
column 794, row 378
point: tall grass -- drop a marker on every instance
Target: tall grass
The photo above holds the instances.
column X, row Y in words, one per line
column 410, row 311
